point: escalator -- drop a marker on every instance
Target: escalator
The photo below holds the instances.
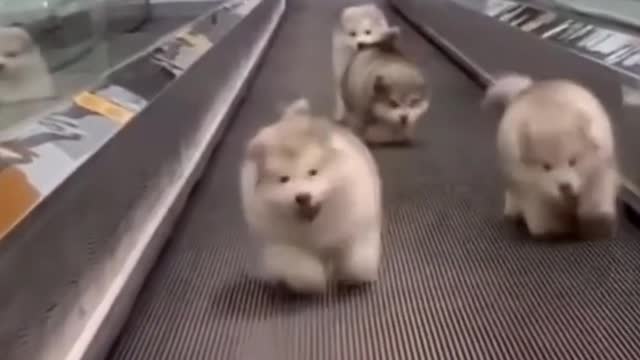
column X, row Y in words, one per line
column 457, row 282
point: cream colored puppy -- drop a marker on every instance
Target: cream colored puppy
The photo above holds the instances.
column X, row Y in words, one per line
column 311, row 196
column 557, row 150
column 358, row 26
column 385, row 93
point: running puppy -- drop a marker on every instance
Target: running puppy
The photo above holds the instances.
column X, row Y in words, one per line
column 385, row 94
column 357, row 26
column 23, row 72
column 311, row 196
column 557, row 150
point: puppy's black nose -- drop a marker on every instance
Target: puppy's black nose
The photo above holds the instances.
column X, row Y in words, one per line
column 566, row 188
column 360, row 46
column 303, row 199
column 404, row 119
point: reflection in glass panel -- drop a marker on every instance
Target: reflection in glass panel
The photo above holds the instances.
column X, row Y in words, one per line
column 51, row 49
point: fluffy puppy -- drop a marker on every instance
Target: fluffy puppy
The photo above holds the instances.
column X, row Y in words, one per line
column 358, row 26
column 557, row 150
column 311, row 196
column 384, row 92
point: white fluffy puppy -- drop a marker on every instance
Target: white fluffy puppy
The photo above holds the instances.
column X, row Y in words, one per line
column 311, row 196
column 23, row 72
column 358, row 25
column 557, row 150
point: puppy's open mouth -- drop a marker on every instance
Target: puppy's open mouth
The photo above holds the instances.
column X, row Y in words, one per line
column 308, row 212
column 570, row 200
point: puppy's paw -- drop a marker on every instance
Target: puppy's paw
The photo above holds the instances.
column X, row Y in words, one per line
column 360, row 262
column 403, row 140
column 408, row 135
column 596, row 226
column 298, row 271
column 549, row 229
column 377, row 135
column 511, row 209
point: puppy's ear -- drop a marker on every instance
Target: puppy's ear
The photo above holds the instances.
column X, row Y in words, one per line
column 346, row 13
column 379, row 86
column 297, row 115
column 392, row 33
column 256, row 149
column 21, row 36
column 587, row 136
column 389, row 38
column 321, row 129
column 299, row 107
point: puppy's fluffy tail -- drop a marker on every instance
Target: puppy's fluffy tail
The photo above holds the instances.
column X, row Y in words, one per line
column 506, row 88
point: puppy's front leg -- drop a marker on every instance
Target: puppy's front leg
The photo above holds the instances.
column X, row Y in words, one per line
column 300, row 271
column 512, row 210
column 597, row 205
column 407, row 135
column 542, row 219
column 378, row 134
column 360, row 259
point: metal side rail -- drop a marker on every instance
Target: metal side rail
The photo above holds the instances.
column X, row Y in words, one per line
column 458, row 281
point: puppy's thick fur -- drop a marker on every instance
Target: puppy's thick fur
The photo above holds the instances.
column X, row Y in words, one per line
column 385, row 94
column 23, row 72
column 358, row 26
column 311, row 196
column 557, row 150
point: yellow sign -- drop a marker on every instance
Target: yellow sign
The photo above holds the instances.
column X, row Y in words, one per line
column 198, row 41
column 103, row 107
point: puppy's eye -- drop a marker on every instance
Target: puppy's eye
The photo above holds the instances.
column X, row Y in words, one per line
column 547, row 167
column 352, row 34
column 393, row 104
column 368, row 32
column 284, row 179
column 573, row 162
column 313, row 172
column 415, row 102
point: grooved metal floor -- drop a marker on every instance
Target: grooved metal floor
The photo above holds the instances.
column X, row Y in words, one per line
column 458, row 282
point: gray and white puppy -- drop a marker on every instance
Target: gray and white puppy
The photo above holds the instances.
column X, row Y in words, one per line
column 557, row 150
column 311, row 196
column 384, row 92
column 23, row 72
column 357, row 26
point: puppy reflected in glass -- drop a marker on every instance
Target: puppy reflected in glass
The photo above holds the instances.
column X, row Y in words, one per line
column 24, row 75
